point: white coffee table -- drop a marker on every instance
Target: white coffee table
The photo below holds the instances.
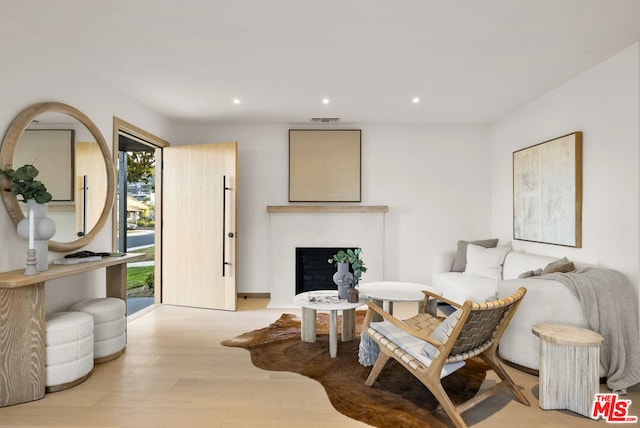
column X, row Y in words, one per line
column 309, row 309
column 392, row 291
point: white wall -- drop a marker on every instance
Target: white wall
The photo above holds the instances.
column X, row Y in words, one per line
column 436, row 181
column 441, row 183
column 603, row 103
column 32, row 73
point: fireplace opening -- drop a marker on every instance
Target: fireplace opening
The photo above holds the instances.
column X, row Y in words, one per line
column 313, row 271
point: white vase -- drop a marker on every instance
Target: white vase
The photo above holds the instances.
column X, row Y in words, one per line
column 43, row 230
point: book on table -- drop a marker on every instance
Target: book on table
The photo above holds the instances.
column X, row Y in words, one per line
column 324, row 298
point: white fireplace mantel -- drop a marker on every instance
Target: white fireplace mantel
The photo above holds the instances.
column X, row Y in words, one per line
column 293, row 226
column 327, row 208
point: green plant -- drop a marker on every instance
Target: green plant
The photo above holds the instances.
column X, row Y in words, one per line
column 149, row 280
column 353, row 258
column 137, row 276
column 23, row 184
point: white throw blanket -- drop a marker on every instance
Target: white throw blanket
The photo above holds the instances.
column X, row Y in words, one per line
column 609, row 305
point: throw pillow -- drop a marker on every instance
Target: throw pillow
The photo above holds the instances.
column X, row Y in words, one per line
column 460, row 262
column 561, row 265
column 440, row 334
column 530, row 273
column 485, row 262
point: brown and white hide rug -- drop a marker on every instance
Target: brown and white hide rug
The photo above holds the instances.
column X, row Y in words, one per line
column 397, row 399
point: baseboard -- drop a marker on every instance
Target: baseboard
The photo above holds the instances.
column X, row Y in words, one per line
column 254, row 295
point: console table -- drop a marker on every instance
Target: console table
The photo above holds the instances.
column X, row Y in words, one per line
column 22, row 323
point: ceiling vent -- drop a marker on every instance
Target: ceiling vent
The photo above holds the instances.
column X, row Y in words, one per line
column 325, row 119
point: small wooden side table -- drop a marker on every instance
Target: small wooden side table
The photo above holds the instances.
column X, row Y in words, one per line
column 569, row 367
column 309, row 309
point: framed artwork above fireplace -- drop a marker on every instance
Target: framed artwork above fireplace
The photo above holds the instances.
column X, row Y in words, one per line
column 324, row 165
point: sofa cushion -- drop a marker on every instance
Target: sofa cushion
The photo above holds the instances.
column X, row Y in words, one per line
column 546, row 301
column 562, row 265
column 459, row 287
column 460, row 261
column 518, row 262
column 485, row 262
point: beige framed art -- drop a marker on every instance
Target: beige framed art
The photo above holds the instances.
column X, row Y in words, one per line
column 324, row 165
column 547, row 192
column 52, row 152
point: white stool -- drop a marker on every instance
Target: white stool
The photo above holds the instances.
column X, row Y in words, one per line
column 109, row 326
column 569, row 367
column 69, row 349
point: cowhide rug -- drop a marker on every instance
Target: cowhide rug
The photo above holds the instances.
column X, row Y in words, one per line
column 397, row 399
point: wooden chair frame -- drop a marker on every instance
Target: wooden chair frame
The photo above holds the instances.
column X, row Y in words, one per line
column 430, row 375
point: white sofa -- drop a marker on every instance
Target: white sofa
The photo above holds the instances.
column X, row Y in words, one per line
column 545, row 301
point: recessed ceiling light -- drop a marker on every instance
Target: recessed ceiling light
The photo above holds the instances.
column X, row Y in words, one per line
column 236, row 100
column 415, row 100
column 325, row 101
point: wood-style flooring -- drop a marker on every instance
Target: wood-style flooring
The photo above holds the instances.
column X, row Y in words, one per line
column 175, row 373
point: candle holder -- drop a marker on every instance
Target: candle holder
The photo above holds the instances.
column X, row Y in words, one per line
column 43, row 229
column 31, row 263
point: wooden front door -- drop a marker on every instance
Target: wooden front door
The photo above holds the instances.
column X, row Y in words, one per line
column 199, row 197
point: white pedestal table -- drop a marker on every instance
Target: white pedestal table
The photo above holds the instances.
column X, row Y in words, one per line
column 392, row 291
column 310, row 308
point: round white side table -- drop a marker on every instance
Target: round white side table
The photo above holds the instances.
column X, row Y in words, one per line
column 313, row 301
column 392, row 291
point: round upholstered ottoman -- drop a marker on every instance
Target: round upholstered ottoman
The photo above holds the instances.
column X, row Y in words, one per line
column 69, row 349
column 109, row 326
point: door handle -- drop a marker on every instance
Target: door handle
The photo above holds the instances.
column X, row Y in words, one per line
column 224, row 224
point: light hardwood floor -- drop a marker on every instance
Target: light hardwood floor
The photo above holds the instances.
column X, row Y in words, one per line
column 175, row 373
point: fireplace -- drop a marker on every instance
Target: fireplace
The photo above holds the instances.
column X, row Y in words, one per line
column 313, row 271
column 306, row 226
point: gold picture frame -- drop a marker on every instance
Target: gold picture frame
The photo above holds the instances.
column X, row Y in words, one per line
column 324, row 165
column 547, row 192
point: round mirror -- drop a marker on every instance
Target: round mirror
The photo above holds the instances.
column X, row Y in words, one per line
column 74, row 163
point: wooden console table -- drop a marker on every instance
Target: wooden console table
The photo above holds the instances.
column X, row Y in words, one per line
column 22, row 323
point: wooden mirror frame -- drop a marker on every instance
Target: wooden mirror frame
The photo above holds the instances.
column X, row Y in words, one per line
column 7, row 152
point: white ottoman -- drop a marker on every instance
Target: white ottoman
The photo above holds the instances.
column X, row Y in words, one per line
column 69, row 349
column 109, row 326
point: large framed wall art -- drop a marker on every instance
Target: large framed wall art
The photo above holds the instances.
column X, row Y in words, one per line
column 324, row 165
column 547, row 192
